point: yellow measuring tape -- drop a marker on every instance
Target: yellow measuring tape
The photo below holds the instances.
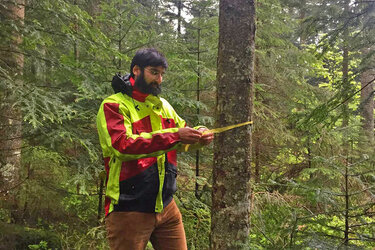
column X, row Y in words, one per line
column 220, row 130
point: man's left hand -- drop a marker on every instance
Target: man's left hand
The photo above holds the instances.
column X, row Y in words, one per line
column 205, row 138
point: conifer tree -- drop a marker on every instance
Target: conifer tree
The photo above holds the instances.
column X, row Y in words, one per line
column 11, row 66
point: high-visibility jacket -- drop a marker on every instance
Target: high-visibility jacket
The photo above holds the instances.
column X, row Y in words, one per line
column 139, row 136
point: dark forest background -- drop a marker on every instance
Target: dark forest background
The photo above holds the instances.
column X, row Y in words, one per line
column 313, row 171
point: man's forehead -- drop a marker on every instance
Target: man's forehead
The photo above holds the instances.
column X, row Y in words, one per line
column 157, row 68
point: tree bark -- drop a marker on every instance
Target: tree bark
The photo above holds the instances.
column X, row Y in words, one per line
column 302, row 16
column 345, row 121
column 231, row 173
column 179, row 9
column 10, row 114
column 345, row 87
column 367, row 105
column 257, row 133
column 93, row 7
column 100, row 198
column 76, row 31
column 197, row 156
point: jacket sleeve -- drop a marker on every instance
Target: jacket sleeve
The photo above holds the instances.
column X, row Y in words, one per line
column 116, row 136
column 180, row 123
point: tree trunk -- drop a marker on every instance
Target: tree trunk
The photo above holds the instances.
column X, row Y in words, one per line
column 76, row 31
column 345, row 88
column 179, row 9
column 257, row 132
column 93, row 7
column 100, row 197
column 302, row 16
column 345, row 120
column 198, row 113
column 257, row 159
column 10, row 114
column 367, row 105
column 346, row 214
column 235, row 77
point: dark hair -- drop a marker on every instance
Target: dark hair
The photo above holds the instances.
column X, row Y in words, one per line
column 148, row 57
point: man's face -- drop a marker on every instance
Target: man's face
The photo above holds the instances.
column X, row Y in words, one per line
column 149, row 80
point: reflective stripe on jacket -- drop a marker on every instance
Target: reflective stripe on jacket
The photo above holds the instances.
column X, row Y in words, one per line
column 139, row 138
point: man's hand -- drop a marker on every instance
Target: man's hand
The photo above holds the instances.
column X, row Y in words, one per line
column 205, row 138
column 189, row 135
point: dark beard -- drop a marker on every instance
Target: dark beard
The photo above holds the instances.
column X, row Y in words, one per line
column 152, row 88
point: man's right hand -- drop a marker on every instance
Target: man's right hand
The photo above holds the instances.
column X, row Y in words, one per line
column 189, row 135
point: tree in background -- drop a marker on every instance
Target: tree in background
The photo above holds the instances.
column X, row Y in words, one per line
column 305, row 189
column 11, row 71
column 367, row 71
column 292, row 163
column 367, row 102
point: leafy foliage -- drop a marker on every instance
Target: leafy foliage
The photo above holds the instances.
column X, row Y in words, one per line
column 301, row 156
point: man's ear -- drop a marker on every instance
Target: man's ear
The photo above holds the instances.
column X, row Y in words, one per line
column 136, row 71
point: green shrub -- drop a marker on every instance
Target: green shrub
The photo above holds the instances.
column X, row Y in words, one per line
column 18, row 237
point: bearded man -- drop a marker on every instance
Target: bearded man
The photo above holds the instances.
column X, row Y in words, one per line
column 139, row 134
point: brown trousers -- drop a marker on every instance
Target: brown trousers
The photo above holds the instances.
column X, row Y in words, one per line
column 132, row 230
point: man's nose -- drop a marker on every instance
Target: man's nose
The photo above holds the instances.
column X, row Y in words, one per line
column 159, row 78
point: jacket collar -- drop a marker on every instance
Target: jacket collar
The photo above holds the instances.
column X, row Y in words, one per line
column 125, row 84
column 136, row 94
